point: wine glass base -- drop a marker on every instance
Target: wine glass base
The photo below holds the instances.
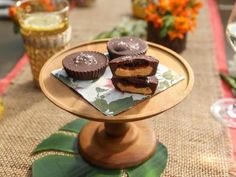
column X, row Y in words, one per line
column 224, row 110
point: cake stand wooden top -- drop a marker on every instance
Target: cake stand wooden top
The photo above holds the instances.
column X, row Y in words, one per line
column 70, row 101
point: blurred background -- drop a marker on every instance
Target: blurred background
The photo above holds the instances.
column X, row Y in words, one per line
column 11, row 45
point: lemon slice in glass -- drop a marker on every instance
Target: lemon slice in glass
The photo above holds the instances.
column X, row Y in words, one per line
column 43, row 22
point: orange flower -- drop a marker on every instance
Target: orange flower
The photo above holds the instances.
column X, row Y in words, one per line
column 151, row 8
column 183, row 12
column 152, row 16
column 163, row 6
column 158, row 22
column 175, row 34
column 182, row 24
column 196, row 7
column 12, row 12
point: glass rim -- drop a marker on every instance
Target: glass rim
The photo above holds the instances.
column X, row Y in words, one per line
column 64, row 9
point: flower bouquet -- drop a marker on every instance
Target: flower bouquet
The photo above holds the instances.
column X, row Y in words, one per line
column 169, row 21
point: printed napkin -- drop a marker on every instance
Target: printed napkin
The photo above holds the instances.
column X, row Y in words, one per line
column 103, row 96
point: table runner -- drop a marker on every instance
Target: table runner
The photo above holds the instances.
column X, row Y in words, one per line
column 197, row 144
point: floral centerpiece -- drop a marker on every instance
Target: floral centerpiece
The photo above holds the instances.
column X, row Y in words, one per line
column 169, row 21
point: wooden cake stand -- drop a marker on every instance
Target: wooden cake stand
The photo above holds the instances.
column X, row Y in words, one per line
column 117, row 142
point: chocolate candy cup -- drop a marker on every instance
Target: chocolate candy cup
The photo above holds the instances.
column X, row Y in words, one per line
column 134, row 66
column 126, row 46
column 85, row 65
column 145, row 86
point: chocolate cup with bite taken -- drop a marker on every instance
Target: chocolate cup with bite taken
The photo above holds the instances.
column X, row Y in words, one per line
column 85, row 65
column 134, row 66
column 143, row 85
column 126, row 46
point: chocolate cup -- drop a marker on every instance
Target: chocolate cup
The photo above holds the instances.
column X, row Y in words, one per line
column 83, row 71
column 90, row 75
column 116, row 51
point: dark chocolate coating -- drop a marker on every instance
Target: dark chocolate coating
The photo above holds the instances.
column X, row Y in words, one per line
column 134, row 62
column 85, row 65
column 126, row 46
column 138, row 82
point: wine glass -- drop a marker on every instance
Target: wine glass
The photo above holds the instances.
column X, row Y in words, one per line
column 224, row 109
column 231, row 28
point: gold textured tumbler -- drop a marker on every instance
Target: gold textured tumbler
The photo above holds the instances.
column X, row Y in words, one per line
column 45, row 30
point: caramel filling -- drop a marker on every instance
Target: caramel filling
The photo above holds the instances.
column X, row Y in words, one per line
column 144, row 71
column 132, row 89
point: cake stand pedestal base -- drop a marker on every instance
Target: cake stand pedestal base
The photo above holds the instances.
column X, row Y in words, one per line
column 117, row 145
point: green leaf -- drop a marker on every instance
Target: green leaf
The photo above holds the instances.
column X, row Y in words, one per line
column 16, row 27
column 163, row 32
column 74, row 126
column 65, row 80
column 98, row 89
column 169, row 21
column 100, row 104
column 64, row 166
column 168, row 75
column 120, row 105
column 59, row 142
column 229, row 80
column 75, row 166
column 168, row 25
column 154, row 166
column 103, row 35
column 163, row 85
column 127, row 27
column 115, row 34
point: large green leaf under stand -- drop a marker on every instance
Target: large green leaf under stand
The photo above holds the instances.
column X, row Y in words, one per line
column 59, row 142
column 74, row 126
column 154, row 166
column 75, row 166
column 64, row 166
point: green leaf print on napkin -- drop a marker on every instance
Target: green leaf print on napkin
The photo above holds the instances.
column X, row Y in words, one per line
column 168, row 75
column 98, row 89
column 121, row 105
column 162, row 85
column 116, row 106
column 101, row 104
column 66, row 81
